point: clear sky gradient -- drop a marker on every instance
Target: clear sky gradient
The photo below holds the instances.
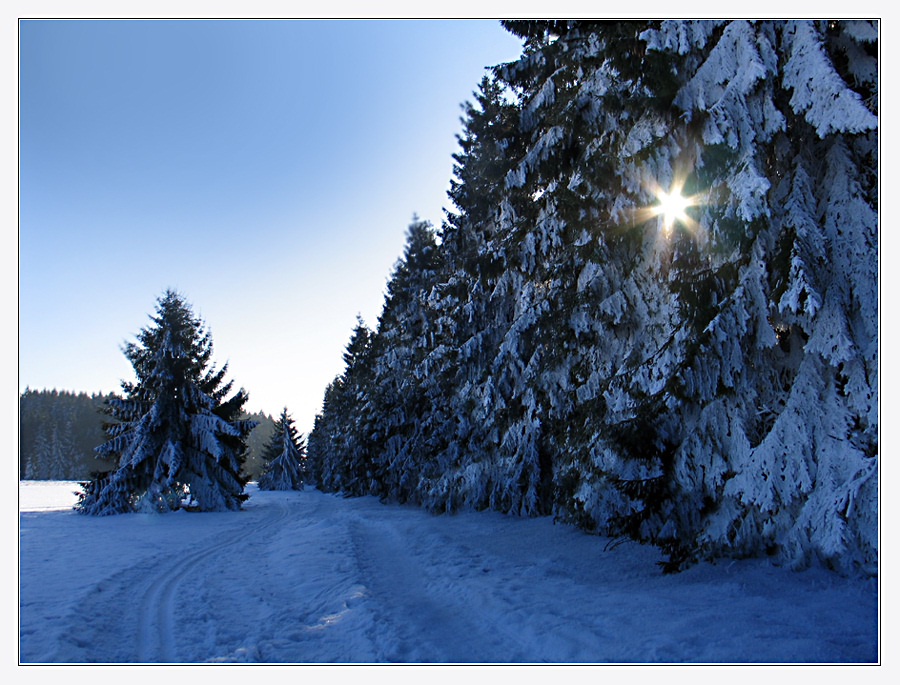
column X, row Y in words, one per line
column 266, row 169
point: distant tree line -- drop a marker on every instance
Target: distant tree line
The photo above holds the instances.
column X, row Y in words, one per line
column 59, row 431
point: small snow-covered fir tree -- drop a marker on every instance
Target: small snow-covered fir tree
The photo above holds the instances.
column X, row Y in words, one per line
column 174, row 435
column 284, row 456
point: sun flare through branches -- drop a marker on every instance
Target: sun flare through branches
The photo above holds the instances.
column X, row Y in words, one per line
column 672, row 207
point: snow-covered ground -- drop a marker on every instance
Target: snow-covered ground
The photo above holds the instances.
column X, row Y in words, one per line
column 306, row 577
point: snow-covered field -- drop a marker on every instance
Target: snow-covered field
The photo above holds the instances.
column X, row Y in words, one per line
column 305, row 577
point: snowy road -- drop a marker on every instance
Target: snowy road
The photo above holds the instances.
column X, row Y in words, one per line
column 313, row 578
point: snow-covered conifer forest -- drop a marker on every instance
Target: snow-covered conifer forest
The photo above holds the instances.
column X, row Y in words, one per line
column 704, row 379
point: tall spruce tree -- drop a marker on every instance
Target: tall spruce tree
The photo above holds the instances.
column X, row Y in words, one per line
column 394, row 404
column 284, row 457
column 339, row 445
column 174, row 435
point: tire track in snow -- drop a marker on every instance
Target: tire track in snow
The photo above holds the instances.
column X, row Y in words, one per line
column 422, row 621
column 156, row 634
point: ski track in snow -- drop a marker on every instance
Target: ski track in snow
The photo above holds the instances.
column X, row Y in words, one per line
column 104, row 618
column 157, row 636
column 314, row 578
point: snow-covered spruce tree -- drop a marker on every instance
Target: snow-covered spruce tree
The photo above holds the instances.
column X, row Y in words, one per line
column 395, row 406
column 822, row 432
column 376, row 406
column 474, row 307
column 707, row 434
column 173, row 434
column 771, row 448
column 319, row 454
column 284, row 457
column 339, row 446
column 592, row 304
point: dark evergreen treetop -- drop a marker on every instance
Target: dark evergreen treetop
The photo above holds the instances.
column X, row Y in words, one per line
column 489, row 129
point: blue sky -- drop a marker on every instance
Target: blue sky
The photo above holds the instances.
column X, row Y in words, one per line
column 266, row 169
